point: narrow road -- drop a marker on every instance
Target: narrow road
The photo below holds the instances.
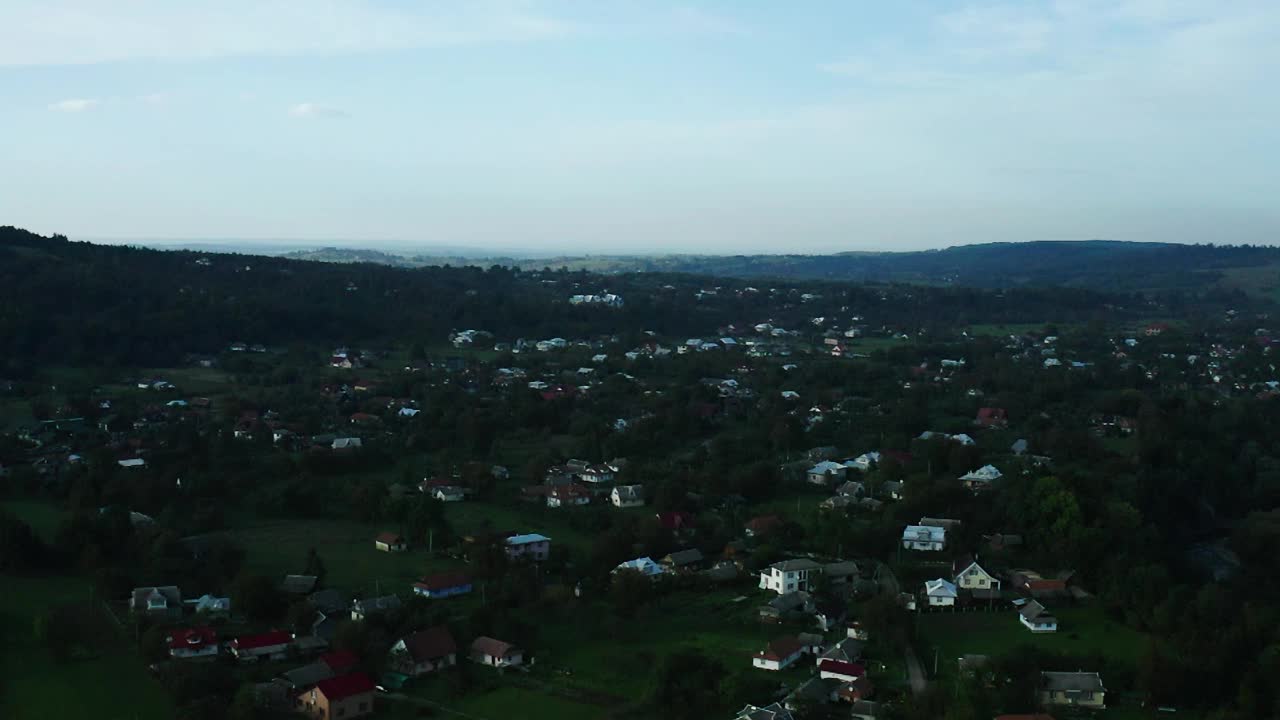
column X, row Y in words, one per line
column 915, row 671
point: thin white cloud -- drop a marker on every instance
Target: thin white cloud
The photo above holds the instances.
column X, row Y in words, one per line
column 73, row 105
column 71, row 32
column 316, row 110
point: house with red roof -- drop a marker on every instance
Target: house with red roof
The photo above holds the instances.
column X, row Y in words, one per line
column 340, row 661
column 442, row 585
column 495, row 653
column 270, row 645
column 390, row 542
column 840, row 670
column 675, row 521
column 990, row 417
column 567, row 496
column 192, row 643
column 345, row 696
column 779, row 654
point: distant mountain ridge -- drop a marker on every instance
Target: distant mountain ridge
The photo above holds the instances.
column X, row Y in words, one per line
column 1095, row 264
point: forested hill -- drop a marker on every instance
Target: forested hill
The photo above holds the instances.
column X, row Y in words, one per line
column 81, row 303
column 1096, row 264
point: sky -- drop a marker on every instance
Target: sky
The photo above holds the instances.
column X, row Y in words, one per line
column 623, row 126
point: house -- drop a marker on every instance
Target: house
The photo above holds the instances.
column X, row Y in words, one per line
column 390, row 542
column 298, row 584
column 675, row 521
column 789, row 575
column 848, row 650
column 924, row 537
column 567, row 496
column 971, row 576
column 210, row 605
column 940, row 593
column 1019, row 447
column 684, row 560
column 891, row 489
column 826, row 473
column 830, row 615
column 855, row 690
column 781, row 653
column 495, row 653
column 768, row 712
column 270, row 645
column 762, row 525
column 864, row 462
column 193, row 643
column 347, row 696
column 340, row 661
column 841, row 573
column 1030, row 582
column 836, row 502
column 424, row 651
column 1083, row 689
column 1037, row 619
column 532, row 546
column 157, row 602
column 1002, row 541
column 442, row 585
column 838, row 670
column 346, row 443
column 625, row 496
column 865, row 710
column 852, row 489
column 361, row 609
column 989, row 417
column 448, row 493
column 787, row 606
column 307, row 676
column 980, row 479
column 644, row 565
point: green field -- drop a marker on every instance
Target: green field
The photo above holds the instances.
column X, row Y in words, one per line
column 509, row 701
column 113, row 684
column 43, row 517
column 1081, row 630
column 1005, row 329
column 278, row 548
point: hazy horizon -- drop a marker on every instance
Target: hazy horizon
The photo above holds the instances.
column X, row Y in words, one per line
column 716, row 127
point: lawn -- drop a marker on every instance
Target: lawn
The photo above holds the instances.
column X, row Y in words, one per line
column 1005, row 329
column 14, row 413
column 531, row 704
column 44, row 518
column 115, row 684
column 280, row 547
column 1084, row 629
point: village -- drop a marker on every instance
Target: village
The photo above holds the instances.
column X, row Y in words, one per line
column 844, row 519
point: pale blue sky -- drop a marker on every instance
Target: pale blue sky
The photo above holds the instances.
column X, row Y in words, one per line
column 630, row 125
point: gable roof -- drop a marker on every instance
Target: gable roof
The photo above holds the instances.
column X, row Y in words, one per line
column 1072, row 681
column 430, row 644
column 774, row 711
column 1035, row 611
column 939, row 588
column 171, row 594
column 339, row 660
column 527, row 539
column 629, row 492
column 491, row 647
column 796, row 565
column 685, row 557
column 345, row 686
column 443, row 581
column 839, row 667
column 781, row 648
column 389, row 538
column 298, row 584
column 192, row 638
column 308, row 675
column 261, row 640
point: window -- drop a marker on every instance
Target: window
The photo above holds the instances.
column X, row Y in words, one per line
column 364, row 706
column 982, row 582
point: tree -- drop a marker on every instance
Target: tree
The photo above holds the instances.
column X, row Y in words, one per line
column 315, row 566
column 258, row 598
column 629, row 591
column 685, row 685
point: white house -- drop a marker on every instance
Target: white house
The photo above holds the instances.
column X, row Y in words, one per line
column 779, row 654
column 448, row 493
column 864, row 462
column 645, row 566
column 1037, row 619
column 969, row 575
column 981, row 478
column 940, row 593
column 789, row 576
column 495, row 653
column 924, row 537
column 531, row 545
column 625, row 496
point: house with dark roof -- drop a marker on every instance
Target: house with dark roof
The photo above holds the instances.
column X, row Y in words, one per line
column 684, row 560
column 768, row 712
column 442, row 585
column 298, row 584
column 495, row 653
column 346, row 696
column 424, row 651
column 157, row 602
column 360, row 609
column 1082, row 689
column 1037, row 619
column 789, row 575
